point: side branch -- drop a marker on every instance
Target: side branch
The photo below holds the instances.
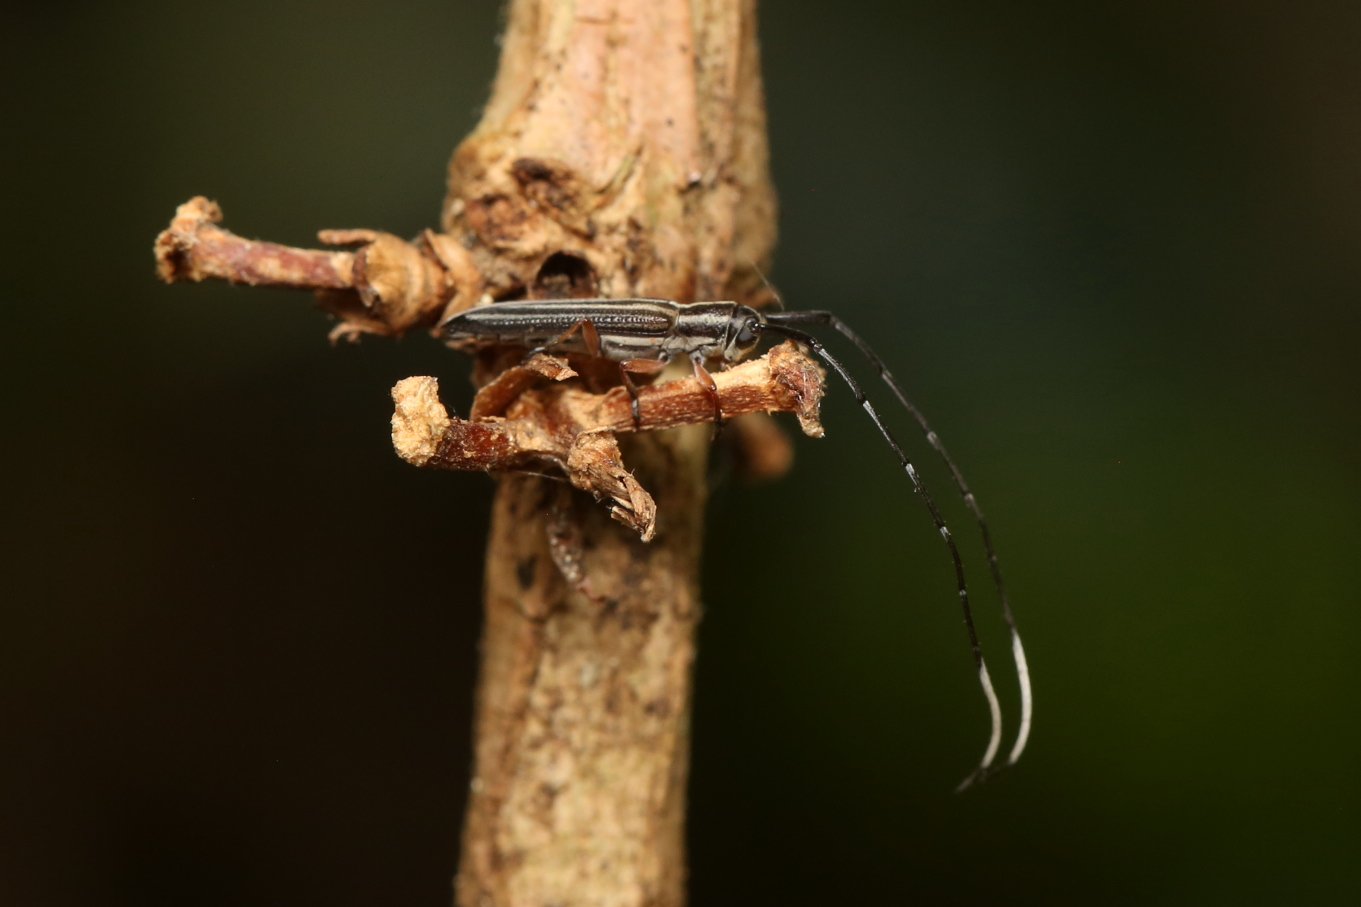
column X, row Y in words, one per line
column 622, row 154
column 387, row 286
column 194, row 247
column 563, row 428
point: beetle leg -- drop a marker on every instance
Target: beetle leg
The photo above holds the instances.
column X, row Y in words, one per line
column 588, row 333
column 644, row 366
column 639, row 366
column 706, row 381
column 633, row 400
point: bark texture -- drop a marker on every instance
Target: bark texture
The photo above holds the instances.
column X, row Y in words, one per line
column 622, row 153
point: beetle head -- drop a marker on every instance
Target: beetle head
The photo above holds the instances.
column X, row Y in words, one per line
column 744, row 332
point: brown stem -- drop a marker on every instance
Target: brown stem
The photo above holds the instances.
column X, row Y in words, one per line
column 622, row 153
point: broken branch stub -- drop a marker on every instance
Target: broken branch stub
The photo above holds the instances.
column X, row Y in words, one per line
column 386, row 286
column 530, row 419
column 194, row 248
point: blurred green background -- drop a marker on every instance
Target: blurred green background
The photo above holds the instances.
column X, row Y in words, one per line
column 1113, row 249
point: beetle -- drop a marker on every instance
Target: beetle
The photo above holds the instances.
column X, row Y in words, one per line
column 645, row 335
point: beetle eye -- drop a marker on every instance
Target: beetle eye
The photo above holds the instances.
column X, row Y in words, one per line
column 746, row 335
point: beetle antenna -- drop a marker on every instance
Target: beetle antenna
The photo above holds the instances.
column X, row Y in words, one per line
column 775, row 294
column 984, row 679
column 1017, row 650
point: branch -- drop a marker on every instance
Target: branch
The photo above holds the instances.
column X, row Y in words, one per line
column 387, row 286
column 622, row 153
column 562, row 428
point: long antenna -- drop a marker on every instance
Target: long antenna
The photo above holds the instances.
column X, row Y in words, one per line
column 994, row 708
column 1017, row 650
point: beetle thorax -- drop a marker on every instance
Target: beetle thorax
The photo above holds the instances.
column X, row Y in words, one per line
column 711, row 330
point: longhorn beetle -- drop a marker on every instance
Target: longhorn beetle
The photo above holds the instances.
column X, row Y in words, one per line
column 644, row 335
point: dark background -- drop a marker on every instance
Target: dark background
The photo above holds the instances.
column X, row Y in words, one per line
column 1113, row 249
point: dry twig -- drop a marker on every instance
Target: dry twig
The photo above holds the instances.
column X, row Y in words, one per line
column 387, row 286
column 564, row 428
